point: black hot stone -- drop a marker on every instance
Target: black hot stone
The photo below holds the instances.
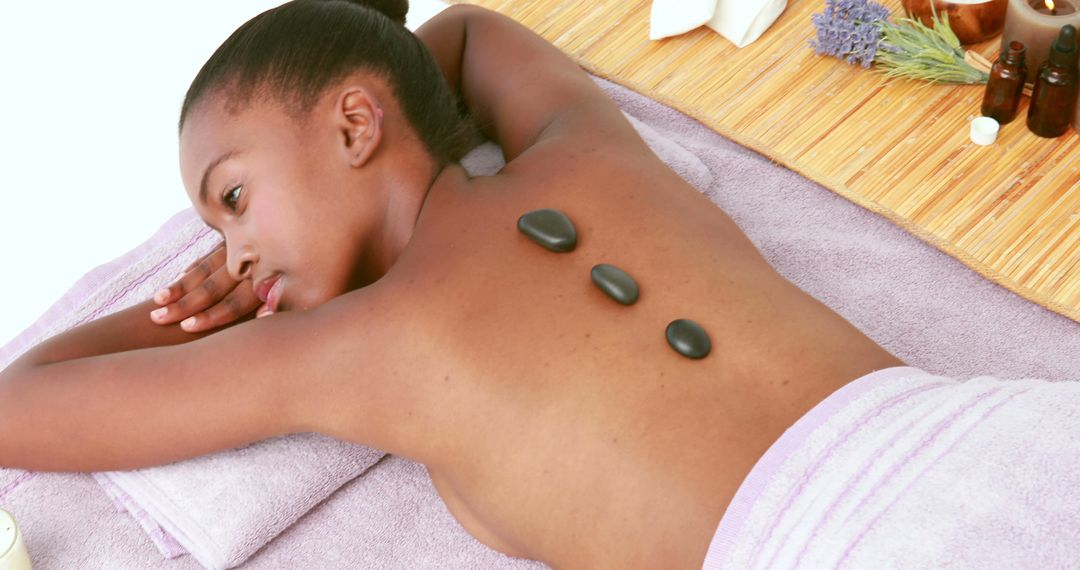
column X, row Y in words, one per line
column 551, row 229
column 688, row 338
column 615, row 283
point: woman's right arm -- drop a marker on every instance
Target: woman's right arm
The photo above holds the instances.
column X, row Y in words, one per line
column 520, row 89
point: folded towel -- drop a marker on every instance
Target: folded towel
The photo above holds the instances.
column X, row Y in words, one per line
column 905, row 469
column 165, row 543
column 740, row 21
column 225, row 506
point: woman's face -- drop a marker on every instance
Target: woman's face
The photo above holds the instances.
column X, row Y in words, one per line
column 278, row 192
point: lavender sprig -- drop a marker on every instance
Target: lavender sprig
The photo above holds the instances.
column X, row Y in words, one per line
column 848, row 29
column 859, row 31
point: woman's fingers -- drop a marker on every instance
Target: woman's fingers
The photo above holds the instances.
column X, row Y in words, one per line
column 205, row 296
column 190, row 278
column 203, row 287
column 236, row 305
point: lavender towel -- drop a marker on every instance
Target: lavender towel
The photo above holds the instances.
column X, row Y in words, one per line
column 907, row 469
column 918, row 303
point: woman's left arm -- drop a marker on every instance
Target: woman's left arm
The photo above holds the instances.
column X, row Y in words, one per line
column 205, row 298
column 122, row 392
column 129, row 329
column 324, row 370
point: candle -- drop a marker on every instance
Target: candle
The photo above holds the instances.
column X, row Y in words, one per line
column 1036, row 23
column 13, row 554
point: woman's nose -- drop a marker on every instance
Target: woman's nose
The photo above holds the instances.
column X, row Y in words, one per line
column 241, row 261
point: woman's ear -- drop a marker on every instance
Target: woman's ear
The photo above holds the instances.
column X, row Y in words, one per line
column 360, row 118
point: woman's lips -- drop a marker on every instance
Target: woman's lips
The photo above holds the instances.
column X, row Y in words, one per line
column 269, row 291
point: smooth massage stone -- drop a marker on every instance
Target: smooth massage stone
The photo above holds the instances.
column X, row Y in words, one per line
column 551, row 229
column 688, row 338
column 615, row 283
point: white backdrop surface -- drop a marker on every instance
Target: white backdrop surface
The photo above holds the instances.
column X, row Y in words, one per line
column 90, row 93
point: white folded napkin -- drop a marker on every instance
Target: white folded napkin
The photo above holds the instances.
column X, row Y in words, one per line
column 674, row 17
column 740, row 21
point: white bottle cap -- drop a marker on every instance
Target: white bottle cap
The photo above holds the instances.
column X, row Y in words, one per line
column 13, row 554
column 984, row 131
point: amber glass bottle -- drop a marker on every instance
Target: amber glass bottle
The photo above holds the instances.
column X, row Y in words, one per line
column 1006, row 84
column 1054, row 98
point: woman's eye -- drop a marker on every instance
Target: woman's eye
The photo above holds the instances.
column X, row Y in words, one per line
column 232, row 197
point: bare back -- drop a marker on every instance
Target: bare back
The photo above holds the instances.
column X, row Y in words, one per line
column 567, row 428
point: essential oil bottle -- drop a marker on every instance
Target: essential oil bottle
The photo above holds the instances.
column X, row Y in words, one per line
column 1054, row 98
column 1006, row 84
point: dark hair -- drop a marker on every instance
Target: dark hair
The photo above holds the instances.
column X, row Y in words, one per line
column 297, row 50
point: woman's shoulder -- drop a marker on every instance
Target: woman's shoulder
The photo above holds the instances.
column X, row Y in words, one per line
column 521, row 89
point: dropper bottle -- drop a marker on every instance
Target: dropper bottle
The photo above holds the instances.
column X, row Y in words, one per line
column 1054, row 98
column 1006, row 84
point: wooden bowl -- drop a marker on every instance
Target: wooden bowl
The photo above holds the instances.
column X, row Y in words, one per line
column 971, row 21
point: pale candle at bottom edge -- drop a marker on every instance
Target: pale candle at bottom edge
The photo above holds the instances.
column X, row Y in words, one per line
column 13, row 555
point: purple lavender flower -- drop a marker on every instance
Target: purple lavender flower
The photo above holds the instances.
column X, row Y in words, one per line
column 848, row 30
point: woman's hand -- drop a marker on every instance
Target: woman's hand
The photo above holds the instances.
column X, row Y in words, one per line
column 206, row 296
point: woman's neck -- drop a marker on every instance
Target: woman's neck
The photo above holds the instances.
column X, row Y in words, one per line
column 415, row 176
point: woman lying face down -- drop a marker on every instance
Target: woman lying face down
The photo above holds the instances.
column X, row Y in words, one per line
column 402, row 307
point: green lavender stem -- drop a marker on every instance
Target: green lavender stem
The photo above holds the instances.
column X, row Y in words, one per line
column 913, row 50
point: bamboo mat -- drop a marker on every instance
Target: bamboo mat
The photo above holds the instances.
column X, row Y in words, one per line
column 899, row 148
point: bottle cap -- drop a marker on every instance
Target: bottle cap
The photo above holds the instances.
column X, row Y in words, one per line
column 984, row 131
column 1063, row 50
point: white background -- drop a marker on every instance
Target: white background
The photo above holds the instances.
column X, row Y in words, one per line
column 90, row 94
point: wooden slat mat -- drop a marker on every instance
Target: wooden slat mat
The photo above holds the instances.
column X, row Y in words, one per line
column 899, row 148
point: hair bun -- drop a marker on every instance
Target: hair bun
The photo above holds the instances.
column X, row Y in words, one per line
column 393, row 9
